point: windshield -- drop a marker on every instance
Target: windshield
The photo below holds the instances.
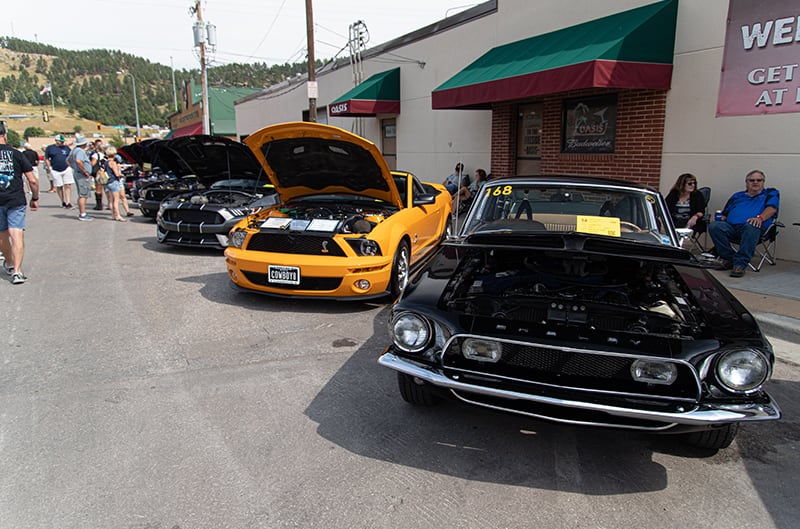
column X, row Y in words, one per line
column 599, row 210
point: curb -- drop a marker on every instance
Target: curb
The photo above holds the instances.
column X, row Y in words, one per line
column 782, row 327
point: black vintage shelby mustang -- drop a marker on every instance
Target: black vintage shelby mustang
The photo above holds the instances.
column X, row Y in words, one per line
column 570, row 299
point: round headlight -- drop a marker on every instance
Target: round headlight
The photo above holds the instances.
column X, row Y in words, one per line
column 237, row 239
column 742, row 370
column 410, row 332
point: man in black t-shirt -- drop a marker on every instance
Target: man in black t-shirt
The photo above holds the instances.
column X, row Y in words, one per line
column 13, row 166
column 32, row 157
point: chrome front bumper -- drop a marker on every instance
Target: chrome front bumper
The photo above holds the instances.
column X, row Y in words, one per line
column 702, row 414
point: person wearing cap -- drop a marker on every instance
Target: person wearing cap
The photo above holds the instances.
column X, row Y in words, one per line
column 13, row 166
column 82, row 172
column 55, row 157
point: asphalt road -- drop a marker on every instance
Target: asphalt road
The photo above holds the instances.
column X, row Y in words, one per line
column 138, row 390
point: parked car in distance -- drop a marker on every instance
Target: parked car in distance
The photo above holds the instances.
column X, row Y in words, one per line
column 228, row 184
column 570, row 299
column 346, row 228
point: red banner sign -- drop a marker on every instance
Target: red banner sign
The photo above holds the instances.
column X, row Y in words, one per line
column 761, row 62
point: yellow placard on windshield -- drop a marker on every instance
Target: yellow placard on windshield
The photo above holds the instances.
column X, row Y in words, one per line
column 598, row 225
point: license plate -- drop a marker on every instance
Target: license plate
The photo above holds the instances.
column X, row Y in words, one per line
column 286, row 275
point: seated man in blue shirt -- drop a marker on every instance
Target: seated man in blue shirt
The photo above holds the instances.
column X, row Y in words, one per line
column 745, row 218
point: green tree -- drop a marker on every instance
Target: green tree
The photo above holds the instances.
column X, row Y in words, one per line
column 77, row 128
column 12, row 138
column 34, row 132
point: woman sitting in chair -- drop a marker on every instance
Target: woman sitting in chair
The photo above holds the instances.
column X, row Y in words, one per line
column 686, row 204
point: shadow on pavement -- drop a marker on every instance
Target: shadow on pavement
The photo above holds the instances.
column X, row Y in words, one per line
column 360, row 409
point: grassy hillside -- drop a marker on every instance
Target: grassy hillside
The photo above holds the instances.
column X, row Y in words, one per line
column 60, row 120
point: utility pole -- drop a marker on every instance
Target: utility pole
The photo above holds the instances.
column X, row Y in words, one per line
column 174, row 90
column 312, row 75
column 200, row 39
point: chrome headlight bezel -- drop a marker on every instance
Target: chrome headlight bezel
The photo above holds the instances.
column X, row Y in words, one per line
column 742, row 371
column 411, row 332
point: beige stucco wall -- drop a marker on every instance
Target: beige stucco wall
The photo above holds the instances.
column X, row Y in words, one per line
column 721, row 150
column 718, row 150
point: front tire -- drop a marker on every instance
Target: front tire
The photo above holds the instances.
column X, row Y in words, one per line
column 415, row 391
column 715, row 439
column 400, row 269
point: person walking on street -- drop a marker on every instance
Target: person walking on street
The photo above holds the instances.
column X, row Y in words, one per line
column 33, row 158
column 82, row 170
column 115, row 173
column 97, row 158
column 55, row 157
column 13, row 166
column 52, row 189
column 114, row 185
column 745, row 218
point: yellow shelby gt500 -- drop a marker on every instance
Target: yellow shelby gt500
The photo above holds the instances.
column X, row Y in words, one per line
column 347, row 227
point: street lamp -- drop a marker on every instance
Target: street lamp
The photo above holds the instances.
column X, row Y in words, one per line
column 135, row 102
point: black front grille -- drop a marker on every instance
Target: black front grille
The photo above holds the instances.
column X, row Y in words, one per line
column 192, row 239
column 552, row 370
column 294, row 243
column 306, row 283
column 193, row 216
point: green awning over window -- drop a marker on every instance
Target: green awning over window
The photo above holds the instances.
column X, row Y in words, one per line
column 632, row 49
column 380, row 94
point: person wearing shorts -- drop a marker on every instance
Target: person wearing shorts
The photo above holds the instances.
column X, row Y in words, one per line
column 13, row 166
column 82, row 172
column 55, row 157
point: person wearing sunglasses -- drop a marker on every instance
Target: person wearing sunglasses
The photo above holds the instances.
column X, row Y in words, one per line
column 745, row 218
column 686, row 204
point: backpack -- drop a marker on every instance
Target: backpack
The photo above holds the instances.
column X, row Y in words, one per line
column 99, row 171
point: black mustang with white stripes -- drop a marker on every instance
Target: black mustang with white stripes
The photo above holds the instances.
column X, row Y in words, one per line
column 230, row 185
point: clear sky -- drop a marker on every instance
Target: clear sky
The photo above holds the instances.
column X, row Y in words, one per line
column 271, row 31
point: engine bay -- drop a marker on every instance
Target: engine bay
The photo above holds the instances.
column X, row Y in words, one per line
column 597, row 292
column 328, row 218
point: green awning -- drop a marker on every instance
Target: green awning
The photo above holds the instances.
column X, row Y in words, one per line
column 380, row 94
column 632, row 49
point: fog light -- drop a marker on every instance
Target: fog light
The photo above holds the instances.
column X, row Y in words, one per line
column 654, row 372
column 362, row 284
column 482, row 350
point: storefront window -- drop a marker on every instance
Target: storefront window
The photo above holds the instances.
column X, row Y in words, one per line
column 589, row 124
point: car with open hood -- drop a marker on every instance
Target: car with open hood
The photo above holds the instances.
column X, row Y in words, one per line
column 227, row 184
column 570, row 299
column 346, row 228
column 153, row 180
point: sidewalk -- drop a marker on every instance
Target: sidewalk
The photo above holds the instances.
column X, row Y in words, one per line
column 773, row 296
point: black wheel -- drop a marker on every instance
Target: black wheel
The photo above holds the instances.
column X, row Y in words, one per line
column 400, row 269
column 714, row 439
column 415, row 391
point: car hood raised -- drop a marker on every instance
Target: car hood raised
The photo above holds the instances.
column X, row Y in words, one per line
column 142, row 152
column 209, row 158
column 304, row 159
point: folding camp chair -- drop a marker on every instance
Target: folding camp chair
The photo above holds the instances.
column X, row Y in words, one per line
column 765, row 250
column 699, row 239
